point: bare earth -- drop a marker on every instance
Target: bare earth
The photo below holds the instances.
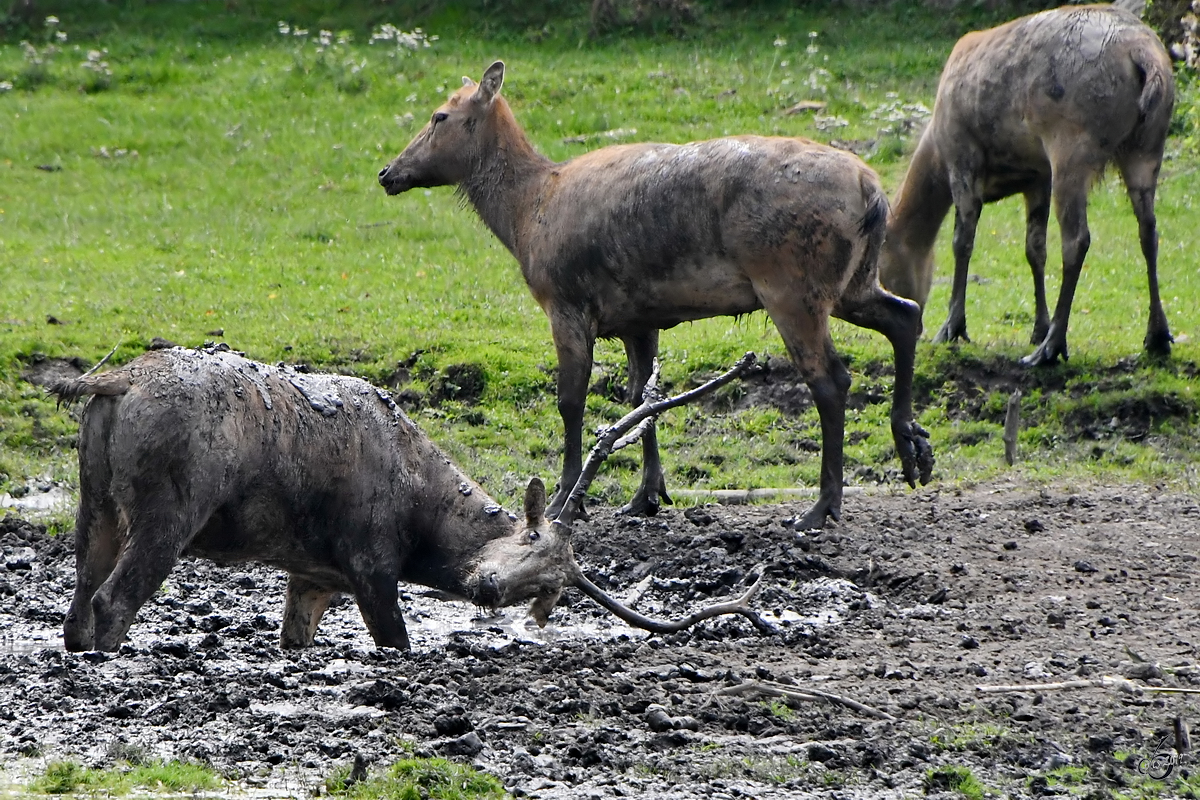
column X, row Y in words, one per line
column 907, row 606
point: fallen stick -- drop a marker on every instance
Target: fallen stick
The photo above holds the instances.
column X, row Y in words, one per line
column 803, row 694
column 1103, row 682
column 739, row 606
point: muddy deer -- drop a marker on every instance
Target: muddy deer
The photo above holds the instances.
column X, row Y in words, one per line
column 628, row 240
column 206, row 453
column 1038, row 106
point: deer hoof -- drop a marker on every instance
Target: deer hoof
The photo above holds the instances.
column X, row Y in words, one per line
column 916, row 454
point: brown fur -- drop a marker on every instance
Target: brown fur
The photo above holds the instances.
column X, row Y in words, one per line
column 1038, row 107
column 205, row 453
column 628, row 240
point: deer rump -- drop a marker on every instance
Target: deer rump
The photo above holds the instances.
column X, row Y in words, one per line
column 1038, row 106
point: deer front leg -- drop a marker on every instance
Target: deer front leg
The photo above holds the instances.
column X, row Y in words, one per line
column 640, row 350
column 966, row 218
column 1037, row 214
column 574, row 348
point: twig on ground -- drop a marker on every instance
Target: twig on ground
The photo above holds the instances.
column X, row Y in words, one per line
column 803, row 693
column 1103, row 682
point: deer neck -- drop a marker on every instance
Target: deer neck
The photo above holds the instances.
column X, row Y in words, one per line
column 507, row 176
column 923, row 201
column 455, row 519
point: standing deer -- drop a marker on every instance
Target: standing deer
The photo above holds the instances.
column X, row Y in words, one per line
column 1038, row 106
column 631, row 239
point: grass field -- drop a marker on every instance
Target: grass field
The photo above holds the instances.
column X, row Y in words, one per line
column 204, row 176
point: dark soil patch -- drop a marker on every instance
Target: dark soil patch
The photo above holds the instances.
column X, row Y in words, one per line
column 907, row 605
column 41, row 370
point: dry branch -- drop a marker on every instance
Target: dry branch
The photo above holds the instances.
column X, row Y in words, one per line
column 1103, row 682
column 803, row 694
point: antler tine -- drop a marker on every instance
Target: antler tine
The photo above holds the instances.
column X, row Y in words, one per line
column 739, row 606
column 613, row 438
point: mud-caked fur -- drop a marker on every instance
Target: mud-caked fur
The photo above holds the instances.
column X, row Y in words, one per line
column 205, row 453
column 1038, row 106
column 631, row 239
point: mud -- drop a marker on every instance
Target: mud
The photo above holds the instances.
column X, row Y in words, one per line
column 907, row 605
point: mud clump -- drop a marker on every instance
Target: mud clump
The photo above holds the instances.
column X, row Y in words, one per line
column 906, row 605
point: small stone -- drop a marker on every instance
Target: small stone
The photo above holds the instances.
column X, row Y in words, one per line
column 1084, row 567
column 658, row 720
column 968, row 643
column 1034, row 525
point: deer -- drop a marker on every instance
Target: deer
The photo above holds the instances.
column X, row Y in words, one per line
column 205, row 453
column 1038, row 107
column 628, row 240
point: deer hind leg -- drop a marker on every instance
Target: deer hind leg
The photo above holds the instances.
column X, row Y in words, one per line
column 96, row 548
column 306, row 603
column 1072, row 178
column 153, row 542
column 805, row 332
column 641, row 350
column 1141, row 180
column 900, row 321
column 967, row 207
column 1037, row 216
column 574, row 346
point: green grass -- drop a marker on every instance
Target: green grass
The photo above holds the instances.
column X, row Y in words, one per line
column 68, row 777
column 222, row 178
column 956, row 779
column 424, row 779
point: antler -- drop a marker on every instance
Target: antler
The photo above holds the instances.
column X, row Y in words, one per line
column 635, row 423
column 739, row 606
column 624, row 432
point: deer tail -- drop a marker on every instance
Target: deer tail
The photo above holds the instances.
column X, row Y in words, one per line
column 68, row 390
column 873, row 225
column 1158, row 84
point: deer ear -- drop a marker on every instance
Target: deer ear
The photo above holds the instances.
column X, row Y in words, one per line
column 467, row 81
column 535, row 502
column 493, row 79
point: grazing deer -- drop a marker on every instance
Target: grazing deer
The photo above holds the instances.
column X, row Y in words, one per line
column 1038, row 106
column 631, row 239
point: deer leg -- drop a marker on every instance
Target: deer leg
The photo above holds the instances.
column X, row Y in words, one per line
column 641, row 350
column 574, row 348
column 1141, row 179
column 1070, row 198
column 378, row 602
column 900, row 321
column 96, row 548
column 1037, row 215
column 152, row 548
column 302, row 611
column 966, row 218
column 805, row 332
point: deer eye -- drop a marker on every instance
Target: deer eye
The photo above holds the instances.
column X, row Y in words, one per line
column 440, row 116
column 534, row 536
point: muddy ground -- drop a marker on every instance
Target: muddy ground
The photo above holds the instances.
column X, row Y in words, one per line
column 907, row 606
